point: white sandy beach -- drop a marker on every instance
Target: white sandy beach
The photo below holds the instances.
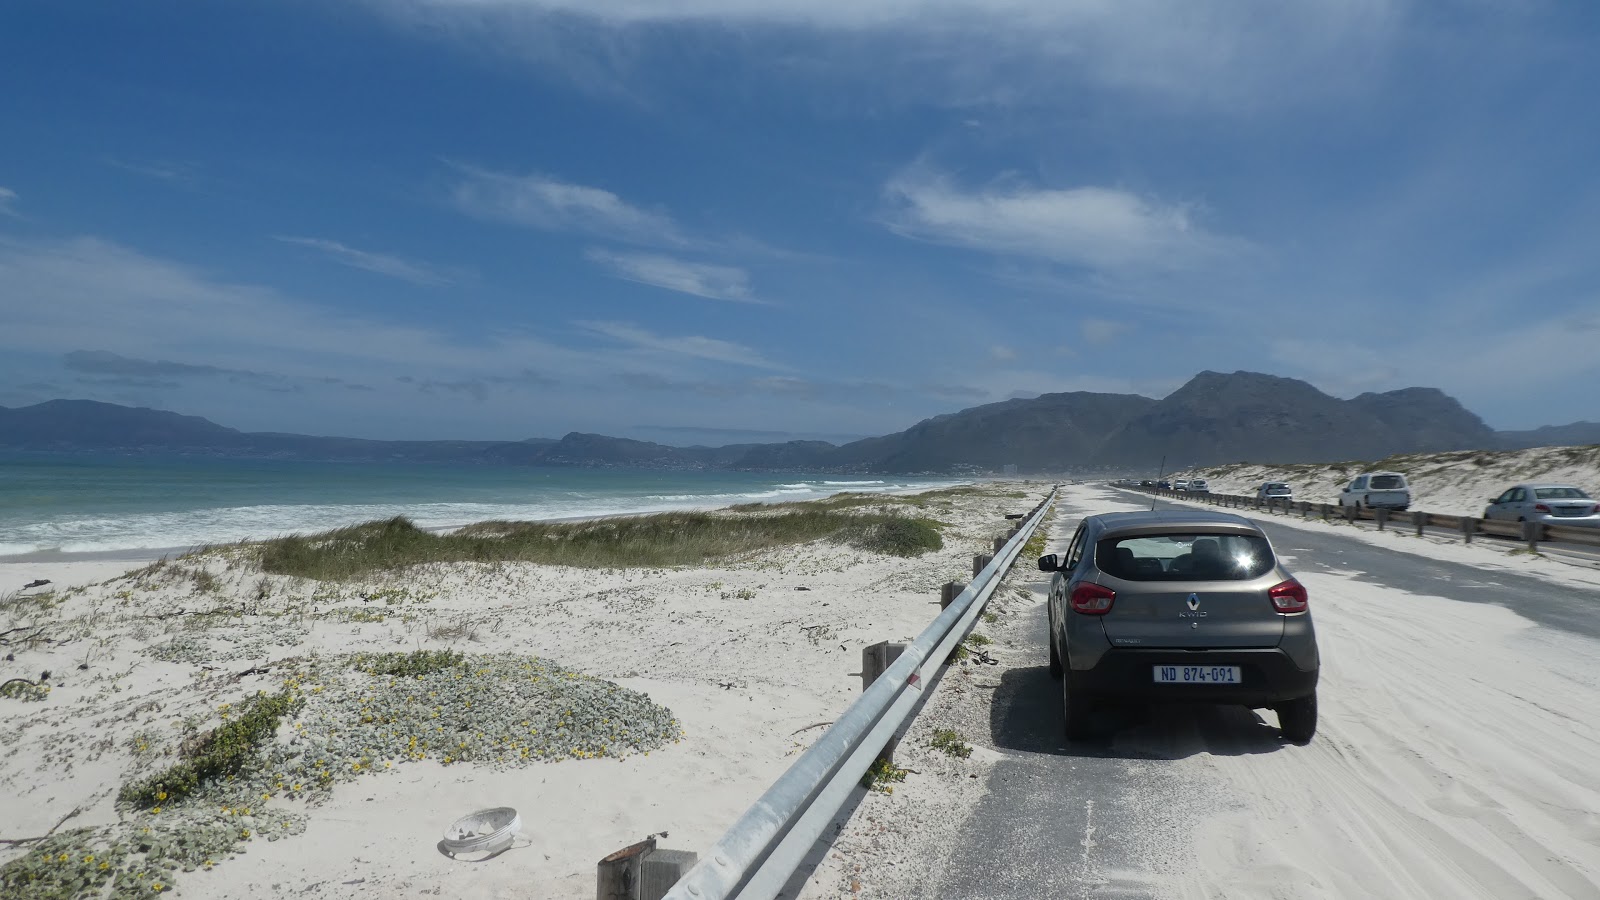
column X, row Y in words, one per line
column 746, row 655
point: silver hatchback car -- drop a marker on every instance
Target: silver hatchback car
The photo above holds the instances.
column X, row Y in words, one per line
column 1179, row 606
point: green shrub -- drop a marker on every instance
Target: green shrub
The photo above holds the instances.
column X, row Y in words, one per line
column 218, row 753
column 949, row 742
column 882, row 775
column 417, row 662
column 655, row 541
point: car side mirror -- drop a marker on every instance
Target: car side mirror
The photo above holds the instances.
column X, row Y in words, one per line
column 1050, row 563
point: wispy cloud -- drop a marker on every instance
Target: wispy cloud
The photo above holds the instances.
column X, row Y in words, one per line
column 104, row 362
column 689, row 345
column 379, row 263
column 538, row 201
column 1228, row 53
column 8, row 199
column 173, row 173
column 1102, row 331
column 699, row 279
column 1092, row 227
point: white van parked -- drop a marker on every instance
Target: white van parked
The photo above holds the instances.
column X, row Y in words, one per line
column 1377, row 490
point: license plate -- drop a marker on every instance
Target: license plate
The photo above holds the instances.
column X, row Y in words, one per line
column 1197, row 674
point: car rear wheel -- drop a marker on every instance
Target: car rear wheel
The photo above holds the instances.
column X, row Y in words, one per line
column 1297, row 719
column 1074, row 710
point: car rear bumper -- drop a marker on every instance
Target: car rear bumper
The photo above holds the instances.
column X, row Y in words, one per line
column 1267, row 676
column 1569, row 521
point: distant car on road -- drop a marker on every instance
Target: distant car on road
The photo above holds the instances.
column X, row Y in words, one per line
column 1147, row 483
column 1181, row 484
column 1164, row 485
column 1179, row 606
column 1275, row 490
column 1377, row 490
column 1199, row 486
column 1556, row 504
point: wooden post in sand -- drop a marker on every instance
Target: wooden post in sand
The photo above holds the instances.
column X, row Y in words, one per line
column 619, row 875
column 877, row 658
column 949, row 592
column 999, row 544
column 642, row 872
column 979, row 563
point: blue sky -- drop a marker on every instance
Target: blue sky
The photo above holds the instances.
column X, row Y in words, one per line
column 717, row 220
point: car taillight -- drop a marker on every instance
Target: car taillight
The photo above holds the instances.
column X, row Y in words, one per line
column 1541, row 507
column 1594, row 509
column 1288, row 597
column 1092, row 599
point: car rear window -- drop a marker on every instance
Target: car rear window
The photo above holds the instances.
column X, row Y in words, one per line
column 1185, row 557
column 1388, row 482
column 1277, row 486
column 1560, row 493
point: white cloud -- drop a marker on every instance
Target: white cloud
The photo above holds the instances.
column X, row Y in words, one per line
column 1002, row 353
column 1092, row 227
column 700, row 279
column 66, row 295
column 1102, row 331
column 8, row 197
column 1221, row 50
column 537, row 201
column 689, row 345
column 380, row 263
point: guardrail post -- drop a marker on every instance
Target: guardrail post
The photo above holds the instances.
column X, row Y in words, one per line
column 1327, row 511
column 620, row 875
column 949, row 592
column 1469, row 526
column 876, row 658
column 1382, row 515
column 1530, row 533
column 1000, row 544
column 1419, row 519
column 979, row 562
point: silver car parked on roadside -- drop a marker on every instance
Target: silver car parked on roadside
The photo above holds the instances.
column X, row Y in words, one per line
column 1554, row 504
column 1179, row 606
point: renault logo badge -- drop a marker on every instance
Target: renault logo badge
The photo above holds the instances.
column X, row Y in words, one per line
column 1194, row 601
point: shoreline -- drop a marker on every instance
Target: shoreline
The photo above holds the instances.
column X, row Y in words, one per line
column 743, row 653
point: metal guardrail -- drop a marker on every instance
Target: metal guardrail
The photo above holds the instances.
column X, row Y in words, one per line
column 756, row 856
column 1533, row 533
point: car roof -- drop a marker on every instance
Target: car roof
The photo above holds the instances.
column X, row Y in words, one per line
column 1383, row 472
column 1544, row 484
column 1174, row 519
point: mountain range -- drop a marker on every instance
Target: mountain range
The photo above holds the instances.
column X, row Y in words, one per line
column 1214, row 418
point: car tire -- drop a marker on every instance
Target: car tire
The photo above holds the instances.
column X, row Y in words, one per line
column 1297, row 719
column 1055, row 655
column 1074, row 710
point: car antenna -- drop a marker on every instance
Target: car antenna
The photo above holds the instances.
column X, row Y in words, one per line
column 1163, row 471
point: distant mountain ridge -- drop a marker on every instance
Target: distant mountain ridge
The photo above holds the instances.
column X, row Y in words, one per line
column 1214, row 418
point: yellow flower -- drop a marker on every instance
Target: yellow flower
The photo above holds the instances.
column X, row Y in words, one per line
column 158, row 886
column 162, row 795
column 156, row 809
column 61, row 858
column 104, row 866
column 245, row 834
column 88, row 857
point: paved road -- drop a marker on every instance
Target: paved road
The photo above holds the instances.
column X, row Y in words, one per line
column 1116, row 818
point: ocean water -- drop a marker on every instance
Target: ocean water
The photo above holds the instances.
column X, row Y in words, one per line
column 82, row 502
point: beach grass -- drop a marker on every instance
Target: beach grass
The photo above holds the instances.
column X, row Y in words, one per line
column 663, row 540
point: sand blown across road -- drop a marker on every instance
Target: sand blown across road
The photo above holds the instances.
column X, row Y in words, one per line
column 1455, row 759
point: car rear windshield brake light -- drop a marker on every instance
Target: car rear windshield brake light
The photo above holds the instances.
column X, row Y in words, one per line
column 1541, row 507
column 1288, row 597
column 1092, row 599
